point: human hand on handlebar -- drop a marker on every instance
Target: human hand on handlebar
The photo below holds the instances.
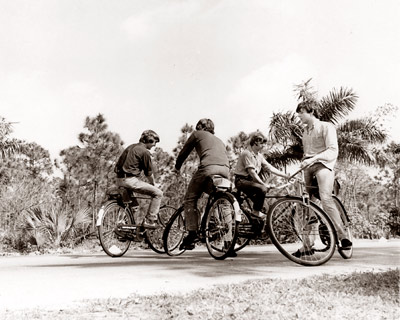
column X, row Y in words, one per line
column 307, row 162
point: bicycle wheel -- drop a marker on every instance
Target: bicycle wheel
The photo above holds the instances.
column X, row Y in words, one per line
column 174, row 233
column 220, row 226
column 295, row 229
column 245, row 231
column 154, row 237
column 345, row 253
column 112, row 215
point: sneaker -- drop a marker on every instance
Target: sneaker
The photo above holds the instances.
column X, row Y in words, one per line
column 147, row 224
column 346, row 244
column 188, row 241
column 299, row 254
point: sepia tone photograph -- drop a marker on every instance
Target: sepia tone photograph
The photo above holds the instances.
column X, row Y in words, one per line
column 199, row 159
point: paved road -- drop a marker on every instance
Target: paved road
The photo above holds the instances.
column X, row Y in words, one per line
column 55, row 282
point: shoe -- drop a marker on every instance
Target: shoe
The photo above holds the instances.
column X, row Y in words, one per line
column 299, row 254
column 346, row 244
column 188, row 241
column 147, row 224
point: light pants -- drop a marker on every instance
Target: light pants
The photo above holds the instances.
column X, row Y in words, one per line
column 139, row 186
column 325, row 178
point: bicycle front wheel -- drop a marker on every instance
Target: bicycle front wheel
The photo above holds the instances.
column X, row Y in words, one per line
column 174, row 233
column 154, row 237
column 302, row 233
column 348, row 252
column 245, row 231
column 220, row 226
column 111, row 216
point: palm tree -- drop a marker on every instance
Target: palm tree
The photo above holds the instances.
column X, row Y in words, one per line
column 7, row 146
column 356, row 138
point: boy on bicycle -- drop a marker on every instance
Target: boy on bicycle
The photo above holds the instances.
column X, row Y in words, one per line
column 134, row 160
column 320, row 147
column 248, row 168
column 213, row 160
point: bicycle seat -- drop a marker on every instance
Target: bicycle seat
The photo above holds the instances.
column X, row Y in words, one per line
column 220, row 182
column 120, row 193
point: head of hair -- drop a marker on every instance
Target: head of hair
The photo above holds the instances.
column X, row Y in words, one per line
column 149, row 136
column 205, row 125
column 256, row 138
column 309, row 106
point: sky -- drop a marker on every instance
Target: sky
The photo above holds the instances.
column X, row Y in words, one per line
column 159, row 64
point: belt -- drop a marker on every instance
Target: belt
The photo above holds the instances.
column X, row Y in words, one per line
column 125, row 175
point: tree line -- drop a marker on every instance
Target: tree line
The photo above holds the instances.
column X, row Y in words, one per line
column 42, row 210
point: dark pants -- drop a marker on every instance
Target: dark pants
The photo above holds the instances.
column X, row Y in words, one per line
column 254, row 190
column 199, row 184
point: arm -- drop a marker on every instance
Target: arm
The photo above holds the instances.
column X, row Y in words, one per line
column 184, row 153
column 255, row 176
column 269, row 167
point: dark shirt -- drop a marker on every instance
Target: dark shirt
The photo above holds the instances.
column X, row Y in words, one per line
column 135, row 159
column 210, row 149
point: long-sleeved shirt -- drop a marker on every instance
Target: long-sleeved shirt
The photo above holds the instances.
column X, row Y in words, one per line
column 210, row 149
column 135, row 159
column 321, row 139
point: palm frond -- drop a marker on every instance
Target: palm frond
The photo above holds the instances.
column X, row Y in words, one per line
column 363, row 129
column 285, row 128
column 337, row 104
column 283, row 158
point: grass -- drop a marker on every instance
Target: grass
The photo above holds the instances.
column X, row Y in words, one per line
column 366, row 295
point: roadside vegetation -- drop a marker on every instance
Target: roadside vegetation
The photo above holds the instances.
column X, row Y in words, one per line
column 367, row 295
column 40, row 212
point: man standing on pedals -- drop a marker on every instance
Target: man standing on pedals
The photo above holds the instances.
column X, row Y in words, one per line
column 320, row 147
column 248, row 168
column 213, row 161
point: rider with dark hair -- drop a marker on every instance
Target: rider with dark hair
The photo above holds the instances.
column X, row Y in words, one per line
column 247, row 173
column 213, row 160
column 321, row 149
column 133, row 161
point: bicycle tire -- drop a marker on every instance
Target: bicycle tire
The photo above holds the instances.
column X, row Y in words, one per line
column 242, row 241
column 345, row 253
column 220, row 226
column 111, row 214
column 174, row 233
column 154, row 237
column 292, row 225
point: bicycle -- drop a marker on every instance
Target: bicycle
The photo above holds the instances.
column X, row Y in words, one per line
column 293, row 221
column 218, row 225
column 116, row 223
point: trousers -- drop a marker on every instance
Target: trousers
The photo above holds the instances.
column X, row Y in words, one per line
column 142, row 187
column 197, row 185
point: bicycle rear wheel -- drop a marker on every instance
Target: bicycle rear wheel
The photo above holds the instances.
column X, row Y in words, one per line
column 302, row 233
column 112, row 215
column 345, row 253
column 220, row 226
column 174, row 233
column 154, row 237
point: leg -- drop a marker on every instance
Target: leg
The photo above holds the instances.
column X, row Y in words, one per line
column 142, row 187
column 326, row 179
column 255, row 191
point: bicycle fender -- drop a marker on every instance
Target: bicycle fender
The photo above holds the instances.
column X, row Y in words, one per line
column 100, row 216
column 238, row 211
